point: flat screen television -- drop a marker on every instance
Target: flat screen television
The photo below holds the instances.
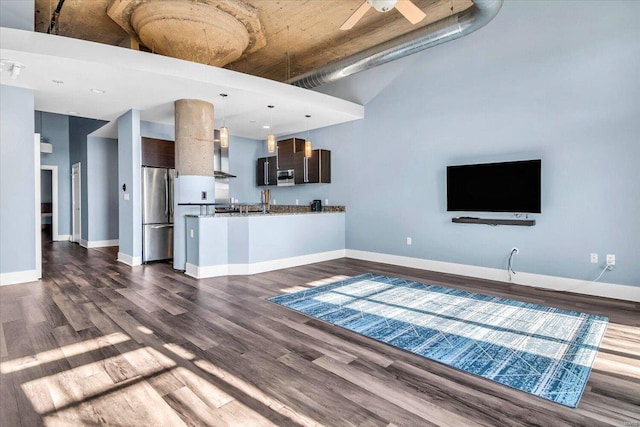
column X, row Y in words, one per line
column 495, row 187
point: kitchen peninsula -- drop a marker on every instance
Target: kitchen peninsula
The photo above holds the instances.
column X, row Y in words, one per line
column 253, row 242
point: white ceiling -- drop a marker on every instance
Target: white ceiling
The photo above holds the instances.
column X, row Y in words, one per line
column 151, row 83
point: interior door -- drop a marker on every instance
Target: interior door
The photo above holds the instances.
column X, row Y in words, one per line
column 76, row 205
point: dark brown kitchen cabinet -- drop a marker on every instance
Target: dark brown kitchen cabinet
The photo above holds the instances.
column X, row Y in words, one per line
column 266, row 172
column 286, row 152
column 313, row 170
column 159, row 153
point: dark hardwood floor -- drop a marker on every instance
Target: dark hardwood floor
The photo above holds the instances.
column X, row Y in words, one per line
column 98, row 342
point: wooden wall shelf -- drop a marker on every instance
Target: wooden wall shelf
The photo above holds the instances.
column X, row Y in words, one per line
column 488, row 221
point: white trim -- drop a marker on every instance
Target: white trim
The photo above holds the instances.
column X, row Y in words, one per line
column 73, row 204
column 63, row 238
column 19, row 276
column 98, row 243
column 129, row 260
column 54, row 200
column 600, row 289
column 38, row 206
column 260, row 267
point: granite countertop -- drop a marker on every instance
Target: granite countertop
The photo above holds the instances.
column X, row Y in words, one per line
column 277, row 210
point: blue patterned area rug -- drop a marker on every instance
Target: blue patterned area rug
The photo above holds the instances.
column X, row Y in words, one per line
column 545, row 351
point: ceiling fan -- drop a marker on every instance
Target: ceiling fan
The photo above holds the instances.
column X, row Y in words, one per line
column 405, row 7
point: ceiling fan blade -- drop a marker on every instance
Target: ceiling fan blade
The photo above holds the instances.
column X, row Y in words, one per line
column 410, row 11
column 356, row 16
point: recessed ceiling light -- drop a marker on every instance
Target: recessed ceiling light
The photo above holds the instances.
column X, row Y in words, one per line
column 97, row 90
column 266, row 127
column 58, row 82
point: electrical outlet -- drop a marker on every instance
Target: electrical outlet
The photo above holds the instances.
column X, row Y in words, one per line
column 611, row 259
column 594, row 258
column 409, row 241
column 191, row 233
column 297, row 202
column 126, row 196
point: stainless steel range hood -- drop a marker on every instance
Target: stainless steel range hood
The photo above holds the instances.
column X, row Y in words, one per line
column 221, row 169
column 220, row 158
column 220, row 174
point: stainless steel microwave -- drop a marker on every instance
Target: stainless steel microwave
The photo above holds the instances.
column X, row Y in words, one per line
column 286, row 178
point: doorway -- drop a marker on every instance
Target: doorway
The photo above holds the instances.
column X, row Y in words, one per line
column 46, row 205
column 49, row 202
column 76, row 203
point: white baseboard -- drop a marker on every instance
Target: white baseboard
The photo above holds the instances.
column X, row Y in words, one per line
column 16, row 277
column 62, row 238
column 601, row 289
column 260, row 267
column 98, row 243
column 129, row 260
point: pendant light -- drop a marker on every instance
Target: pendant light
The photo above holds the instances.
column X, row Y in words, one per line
column 271, row 138
column 224, row 130
column 307, row 142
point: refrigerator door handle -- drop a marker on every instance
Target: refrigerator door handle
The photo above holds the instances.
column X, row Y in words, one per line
column 161, row 226
column 166, row 194
column 170, row 179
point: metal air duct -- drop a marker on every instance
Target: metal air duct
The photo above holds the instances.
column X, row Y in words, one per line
column 442, row 31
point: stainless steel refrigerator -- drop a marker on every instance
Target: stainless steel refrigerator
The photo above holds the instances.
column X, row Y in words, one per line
column 157, row 213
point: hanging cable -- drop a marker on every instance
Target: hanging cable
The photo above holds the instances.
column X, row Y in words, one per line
column 606, row 267
column 510, row 269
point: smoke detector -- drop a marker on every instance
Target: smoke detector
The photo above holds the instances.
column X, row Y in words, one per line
column 12, row 66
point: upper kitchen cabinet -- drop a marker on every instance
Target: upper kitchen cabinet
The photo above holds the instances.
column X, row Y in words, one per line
column 286, row 151
column 313, row 170
column 266, row 171
column 159, row 153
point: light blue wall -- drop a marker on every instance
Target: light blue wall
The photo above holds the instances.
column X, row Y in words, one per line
column 273, row 237
column 187, row 189
column 537, row 82
column 79, row 128
column 17, row 14
column 129, row 164
column 17, row 180
column 243, row 153
column 54, row 128
column 157, row 130
column 233, row 240
column 102, row 187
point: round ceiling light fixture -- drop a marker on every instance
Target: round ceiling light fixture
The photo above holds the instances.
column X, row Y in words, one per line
column 383, row 5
